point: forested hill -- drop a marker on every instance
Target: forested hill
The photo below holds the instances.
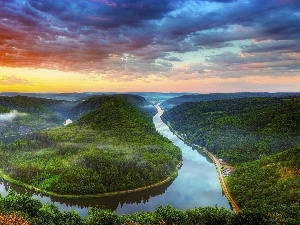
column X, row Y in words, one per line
column 96, row 101
column 26, row 104
column 20, row 115
column 239, row 130
column 270, row 185
column 261, row 137
column 112, row 147
column 168, row 104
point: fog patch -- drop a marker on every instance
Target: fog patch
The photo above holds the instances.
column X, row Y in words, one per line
column 8, row 117
column 68, row 121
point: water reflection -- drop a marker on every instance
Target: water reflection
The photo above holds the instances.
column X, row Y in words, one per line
column 113, row 202
column 196, row 185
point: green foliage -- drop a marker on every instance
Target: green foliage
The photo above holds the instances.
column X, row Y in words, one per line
column 49, row 214
column 250, row 218
column 142, row 218
column 37, row 114
column 102, row 217
column 271, row 184
column 71, row 218
column 171, row 102
column 169, row 215
column 239, row 130
column 113, row 147
column 22, row 203
column 3, row 109
column 208, row 215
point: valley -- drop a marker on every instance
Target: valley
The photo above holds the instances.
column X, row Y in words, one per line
column 118, row 144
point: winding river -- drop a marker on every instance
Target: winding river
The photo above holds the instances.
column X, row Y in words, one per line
column 197, row 185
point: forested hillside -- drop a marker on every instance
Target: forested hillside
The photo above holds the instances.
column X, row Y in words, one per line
column 271, row 184
column 261, row 137
column 168, row 104
column 113, row 146
column 239, row 130
column 20, row 115
column 96, row 101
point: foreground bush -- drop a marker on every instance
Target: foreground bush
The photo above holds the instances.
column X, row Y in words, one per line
column 22, row 209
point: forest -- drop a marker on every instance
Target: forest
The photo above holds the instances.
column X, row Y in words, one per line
column 239, row 130
column 270, row 184
column 261, row 138
column 178, row 100
column 112, row 146
column 30, row 114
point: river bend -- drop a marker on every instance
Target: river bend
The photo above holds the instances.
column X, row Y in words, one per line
column 197, row 185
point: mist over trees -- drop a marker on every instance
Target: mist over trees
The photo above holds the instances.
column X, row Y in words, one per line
column 112, row 146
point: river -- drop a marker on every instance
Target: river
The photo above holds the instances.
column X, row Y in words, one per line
column 197, row 185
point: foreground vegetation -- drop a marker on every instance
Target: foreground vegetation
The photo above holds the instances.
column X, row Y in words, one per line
column 112, row 146
column 22, row 209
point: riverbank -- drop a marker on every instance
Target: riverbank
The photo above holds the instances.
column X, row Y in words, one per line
column 107, row 194
column 234, row 205
column 216, row 161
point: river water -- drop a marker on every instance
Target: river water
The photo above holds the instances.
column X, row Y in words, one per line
column 197, row 185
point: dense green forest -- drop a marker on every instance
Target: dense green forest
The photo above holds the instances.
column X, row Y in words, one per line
column 112, row 146
column 22, row 210
column 261, row 137
column 270, row 184
column 170, row 103
column 239, row 130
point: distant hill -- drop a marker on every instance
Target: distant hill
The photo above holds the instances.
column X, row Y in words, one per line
column 28, row 104
column 112, row 146
column 20, row 115
column 239, row 130
column 168, row 104
column 96, row 101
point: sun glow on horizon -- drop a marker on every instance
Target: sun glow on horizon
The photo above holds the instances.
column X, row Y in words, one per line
column 43, row 80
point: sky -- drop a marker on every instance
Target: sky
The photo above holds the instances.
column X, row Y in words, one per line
column 199, row 46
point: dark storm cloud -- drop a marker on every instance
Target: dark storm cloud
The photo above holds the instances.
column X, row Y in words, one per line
column 82, row 35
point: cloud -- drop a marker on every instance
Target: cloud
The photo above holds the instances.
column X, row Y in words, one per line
column 269, row 45
column 13, row 80
column 82, row 35
column 8, row 117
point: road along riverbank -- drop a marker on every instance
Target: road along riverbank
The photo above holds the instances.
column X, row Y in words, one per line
column 216, row 161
